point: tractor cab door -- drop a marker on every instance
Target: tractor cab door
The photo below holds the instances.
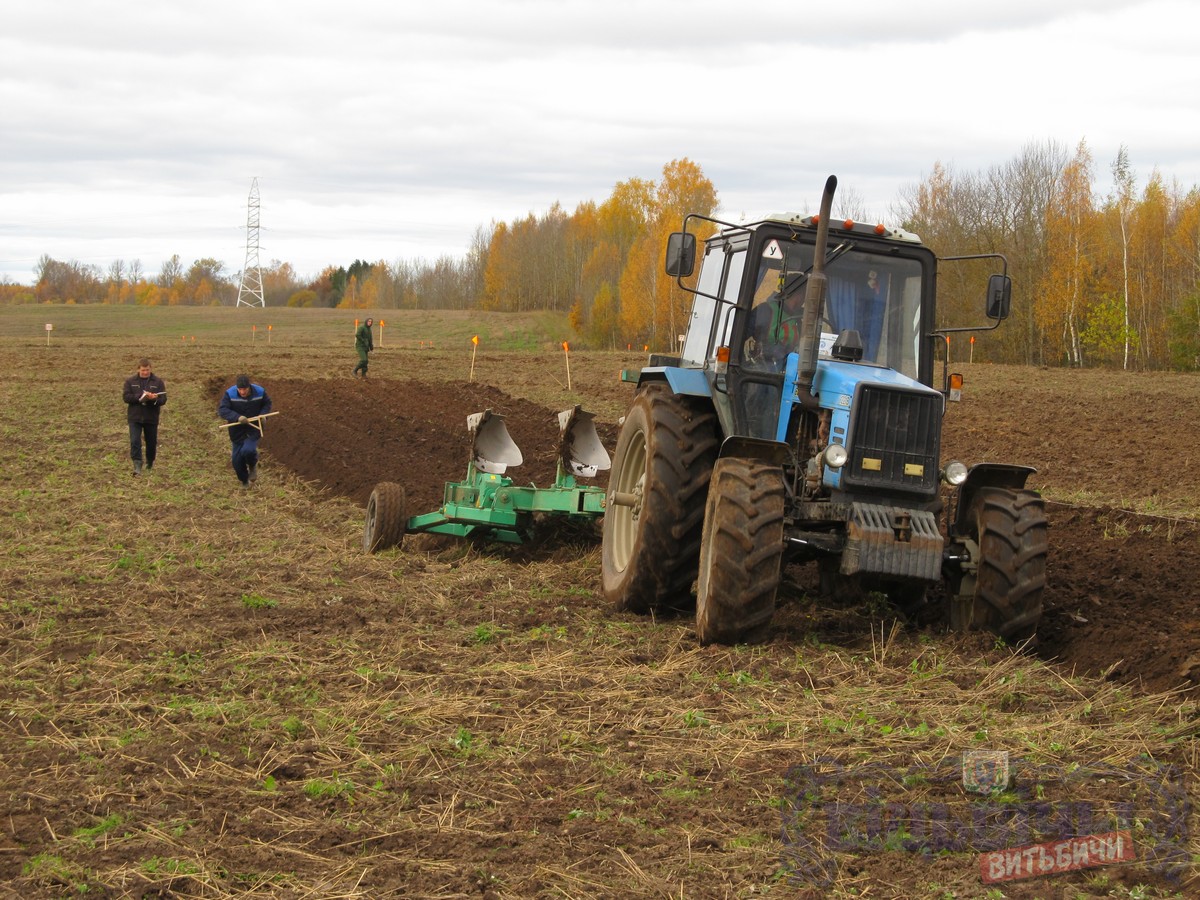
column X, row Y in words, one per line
column 713, row 303
column 768, row 329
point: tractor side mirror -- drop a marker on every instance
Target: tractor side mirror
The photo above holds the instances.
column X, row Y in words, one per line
column 999, row 296
column 681, row 254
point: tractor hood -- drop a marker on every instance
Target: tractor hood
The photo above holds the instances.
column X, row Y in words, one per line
column 834, row 382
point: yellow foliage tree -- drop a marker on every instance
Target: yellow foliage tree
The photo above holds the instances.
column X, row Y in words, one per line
column 603, row 325
column 1068, row 286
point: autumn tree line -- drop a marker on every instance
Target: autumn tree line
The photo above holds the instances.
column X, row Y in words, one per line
column 1110, row 280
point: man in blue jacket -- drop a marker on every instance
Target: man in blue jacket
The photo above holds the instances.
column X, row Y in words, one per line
column 239, row 405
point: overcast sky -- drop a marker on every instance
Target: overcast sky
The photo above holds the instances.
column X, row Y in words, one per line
column 132, row 130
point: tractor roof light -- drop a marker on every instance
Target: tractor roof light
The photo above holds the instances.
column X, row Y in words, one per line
column 836, row 456
column 954, row 473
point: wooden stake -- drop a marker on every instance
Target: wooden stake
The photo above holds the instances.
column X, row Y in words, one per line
column 256, row 421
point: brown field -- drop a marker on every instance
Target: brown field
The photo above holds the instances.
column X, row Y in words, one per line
column 211, row 693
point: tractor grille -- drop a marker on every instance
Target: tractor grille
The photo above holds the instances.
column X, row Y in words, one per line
column 894, row 439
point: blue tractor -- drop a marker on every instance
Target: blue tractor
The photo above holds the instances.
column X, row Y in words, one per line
column 801, row 422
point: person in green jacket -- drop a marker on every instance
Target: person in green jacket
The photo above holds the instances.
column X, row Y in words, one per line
column 364, row 345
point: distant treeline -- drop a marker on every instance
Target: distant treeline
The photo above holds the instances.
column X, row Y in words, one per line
column 1098, row 281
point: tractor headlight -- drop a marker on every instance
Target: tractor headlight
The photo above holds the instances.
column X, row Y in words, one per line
column 835, row 456
column 955, row 473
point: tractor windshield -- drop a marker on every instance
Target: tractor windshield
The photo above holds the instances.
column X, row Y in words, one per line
column 879, row 296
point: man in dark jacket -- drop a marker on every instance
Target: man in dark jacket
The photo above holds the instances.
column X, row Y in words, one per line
column 364, row 345
column 144, row 394
column 241, row 403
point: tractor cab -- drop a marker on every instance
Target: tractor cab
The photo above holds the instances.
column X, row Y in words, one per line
column 747, row 314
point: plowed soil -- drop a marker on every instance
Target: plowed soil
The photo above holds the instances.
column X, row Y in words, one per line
column 211, row 692
column 1124, row 576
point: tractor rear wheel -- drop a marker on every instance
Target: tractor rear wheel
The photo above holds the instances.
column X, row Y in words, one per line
column 386, row 520
column 655, row 508
column 1010, row 530
column 741, row 554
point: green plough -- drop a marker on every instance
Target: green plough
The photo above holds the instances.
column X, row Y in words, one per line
column 487, row 503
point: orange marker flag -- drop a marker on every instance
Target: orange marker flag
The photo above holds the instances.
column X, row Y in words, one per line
column 474, row 347
column 475, row 340
column 567, row 357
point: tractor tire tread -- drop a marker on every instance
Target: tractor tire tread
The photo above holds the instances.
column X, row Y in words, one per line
column 1011, row 577
column 681, row 446
column 742, row 554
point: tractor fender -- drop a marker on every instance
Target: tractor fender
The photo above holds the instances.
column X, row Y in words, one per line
column 984, row 475
column 775, row 453
column 692, row 382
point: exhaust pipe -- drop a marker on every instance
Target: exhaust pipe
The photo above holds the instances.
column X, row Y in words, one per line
column 814, row 302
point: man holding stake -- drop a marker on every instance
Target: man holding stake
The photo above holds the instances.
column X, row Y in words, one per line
column 239, row 405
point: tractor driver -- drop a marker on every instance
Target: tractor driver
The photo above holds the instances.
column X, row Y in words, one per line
column 872, row 301
column 775, row 323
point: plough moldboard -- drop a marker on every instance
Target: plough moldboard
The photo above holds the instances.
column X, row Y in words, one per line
column 487, row 503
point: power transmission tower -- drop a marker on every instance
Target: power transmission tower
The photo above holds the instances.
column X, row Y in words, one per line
column 250, row 290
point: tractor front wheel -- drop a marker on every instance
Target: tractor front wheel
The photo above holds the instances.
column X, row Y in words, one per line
column 1010, row 531
column 386, row 520
column 655, row 507
column 741, row 554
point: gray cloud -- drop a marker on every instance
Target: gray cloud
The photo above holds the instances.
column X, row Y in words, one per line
column 132, row 130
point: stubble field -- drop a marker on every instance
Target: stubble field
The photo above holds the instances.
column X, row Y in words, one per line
column 206, row 692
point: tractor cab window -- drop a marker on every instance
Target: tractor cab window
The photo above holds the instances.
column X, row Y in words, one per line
column 878, row 296
column 777, row 305
column 711, row 321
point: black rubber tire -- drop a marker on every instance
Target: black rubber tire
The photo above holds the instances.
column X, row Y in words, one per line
column 741, row 554
column 664, row 456
column 1011, row 531
column 386, row 519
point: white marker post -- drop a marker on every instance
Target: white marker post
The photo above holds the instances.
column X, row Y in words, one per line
column 49, row 328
